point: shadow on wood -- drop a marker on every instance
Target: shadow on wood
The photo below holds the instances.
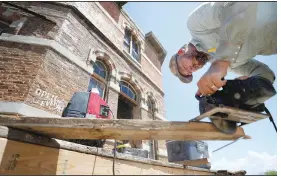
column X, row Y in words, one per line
column 18, row 158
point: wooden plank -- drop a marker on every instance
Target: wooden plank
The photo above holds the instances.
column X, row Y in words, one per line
column 79, row 128
column 74, row 163
column 194, row 162
column 18, row 158
column 234, row 114
column 30, row 138
column 27, row 159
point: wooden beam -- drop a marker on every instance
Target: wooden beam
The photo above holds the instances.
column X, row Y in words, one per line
column 19, row 158
column 195, row 163
column 30, row 138
column 80, row 128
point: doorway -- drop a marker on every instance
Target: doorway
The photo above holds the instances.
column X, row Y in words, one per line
column 124, row 109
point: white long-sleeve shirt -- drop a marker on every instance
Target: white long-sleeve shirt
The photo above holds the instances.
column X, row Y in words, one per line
column 237, row 32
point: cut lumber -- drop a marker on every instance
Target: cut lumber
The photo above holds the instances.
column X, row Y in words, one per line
column 19, row 158
column 197, row 162
column 121, row 129
column 31, row 138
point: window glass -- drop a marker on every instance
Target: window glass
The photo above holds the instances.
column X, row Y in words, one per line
column 96, row 84
column 127, row 37
column 128, row 90
column 100, row 69
column 135, row 50
column 131, row 48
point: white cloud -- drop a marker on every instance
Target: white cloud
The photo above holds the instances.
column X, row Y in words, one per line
column 254, row 163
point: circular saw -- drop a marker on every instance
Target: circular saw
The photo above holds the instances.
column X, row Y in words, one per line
column 248, row 94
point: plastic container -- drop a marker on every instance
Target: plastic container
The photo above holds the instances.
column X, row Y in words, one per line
column 136, row 152
column 179, row 151
column 77, row 106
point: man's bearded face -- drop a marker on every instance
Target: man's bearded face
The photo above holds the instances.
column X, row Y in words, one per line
column 191, row 61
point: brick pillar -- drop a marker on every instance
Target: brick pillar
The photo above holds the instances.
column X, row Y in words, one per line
column 112, row 98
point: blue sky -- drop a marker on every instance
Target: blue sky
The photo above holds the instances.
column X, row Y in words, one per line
column 167, row 20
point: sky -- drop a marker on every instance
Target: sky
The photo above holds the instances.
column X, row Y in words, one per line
column 167, row 20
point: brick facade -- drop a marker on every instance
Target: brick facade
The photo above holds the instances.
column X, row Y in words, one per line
column 19, row 65
column 44, row 78
column 112, row 8
column 55, row 83
column 152, row 55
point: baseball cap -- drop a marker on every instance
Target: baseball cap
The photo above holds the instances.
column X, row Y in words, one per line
column 173, row 65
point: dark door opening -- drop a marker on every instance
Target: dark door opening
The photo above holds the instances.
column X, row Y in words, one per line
column 125, row 108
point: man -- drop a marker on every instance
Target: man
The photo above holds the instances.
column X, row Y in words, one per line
column 228, row 35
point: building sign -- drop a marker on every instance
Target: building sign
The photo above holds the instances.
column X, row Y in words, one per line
column 48, row 100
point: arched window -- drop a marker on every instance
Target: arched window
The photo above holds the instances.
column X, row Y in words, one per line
column 100, row 69
column 128, row 90
column 99, row 78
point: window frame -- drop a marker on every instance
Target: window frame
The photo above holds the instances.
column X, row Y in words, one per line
column 100, row 79
column 132, row 40
column 106, row 69
column 134, row 101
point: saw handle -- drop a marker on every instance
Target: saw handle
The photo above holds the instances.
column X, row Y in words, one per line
column 199, row 97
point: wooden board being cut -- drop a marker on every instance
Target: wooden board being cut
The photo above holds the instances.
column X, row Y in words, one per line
column 79, row 128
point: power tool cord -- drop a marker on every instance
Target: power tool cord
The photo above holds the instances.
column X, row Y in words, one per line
column 114, row 149
column 270, row 118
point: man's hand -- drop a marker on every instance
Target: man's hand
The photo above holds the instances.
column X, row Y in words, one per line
column 211, row 81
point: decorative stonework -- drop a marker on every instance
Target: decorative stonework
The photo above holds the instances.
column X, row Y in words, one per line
column 114, row 77
column 130, row 78
column 103, row 56
column 150, row 95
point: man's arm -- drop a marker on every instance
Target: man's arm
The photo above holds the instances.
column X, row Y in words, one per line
column 238, row 20
column 231, row 22
column 234, row 21
column 254, row 68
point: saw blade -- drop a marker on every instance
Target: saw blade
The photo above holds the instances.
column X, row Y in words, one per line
column 225, row 126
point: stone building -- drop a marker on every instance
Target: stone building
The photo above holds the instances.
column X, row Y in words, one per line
column 49, row 50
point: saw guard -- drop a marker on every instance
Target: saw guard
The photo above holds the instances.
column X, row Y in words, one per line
column 234, row 114
column 225, row 126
